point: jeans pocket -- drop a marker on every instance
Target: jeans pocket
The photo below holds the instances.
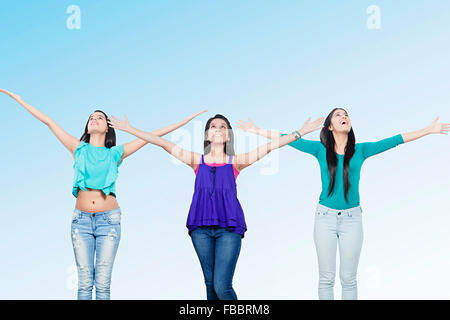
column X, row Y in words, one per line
column 114, row 218
column 320, row 213
column 357, row 215
column 75, row 217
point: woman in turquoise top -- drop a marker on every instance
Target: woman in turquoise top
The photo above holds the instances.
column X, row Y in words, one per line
column 338, row 219
column 96, row 219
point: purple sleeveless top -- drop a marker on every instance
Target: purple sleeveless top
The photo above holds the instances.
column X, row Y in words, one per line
column 215, row 201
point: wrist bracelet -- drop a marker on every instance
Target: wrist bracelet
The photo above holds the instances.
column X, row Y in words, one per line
column 296, row 135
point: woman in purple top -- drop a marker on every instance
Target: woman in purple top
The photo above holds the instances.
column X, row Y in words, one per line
column 216, row 220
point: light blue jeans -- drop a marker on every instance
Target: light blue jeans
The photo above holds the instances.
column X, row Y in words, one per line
column 333, row 228
column 95, row 234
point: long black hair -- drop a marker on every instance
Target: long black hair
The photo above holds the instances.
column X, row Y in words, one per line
column 327, row 139
column 110, row 139
column 228, row 146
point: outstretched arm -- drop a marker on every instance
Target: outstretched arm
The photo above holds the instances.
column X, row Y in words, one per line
column 308, row 146
column 242, row 161
column 135, row 145
column 433, row 127
column 372, row 148
column 187, row 157
column 250, row 126
column 70, row 142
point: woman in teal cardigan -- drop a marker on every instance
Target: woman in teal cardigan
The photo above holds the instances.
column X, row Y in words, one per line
column 338, row 218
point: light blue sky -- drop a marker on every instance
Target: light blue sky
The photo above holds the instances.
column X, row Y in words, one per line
column 277, row 62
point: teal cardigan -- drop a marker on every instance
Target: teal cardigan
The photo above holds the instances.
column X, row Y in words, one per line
column 336, row 200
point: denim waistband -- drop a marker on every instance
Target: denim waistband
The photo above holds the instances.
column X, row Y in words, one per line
column 95, row 214
column 323, row 209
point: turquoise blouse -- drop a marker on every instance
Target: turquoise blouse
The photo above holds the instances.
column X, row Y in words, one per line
column 336, row 200
column 96, row 168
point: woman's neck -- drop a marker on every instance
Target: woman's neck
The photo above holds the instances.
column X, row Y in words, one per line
column 217, row 154
column 97, row 139
column 340, row 140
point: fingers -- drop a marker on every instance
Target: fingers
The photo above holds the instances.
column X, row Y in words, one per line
column 6, row 91
column 12, row 95
column 192, row 116
column 113, row 122
column 199, row 113
column 320, row 121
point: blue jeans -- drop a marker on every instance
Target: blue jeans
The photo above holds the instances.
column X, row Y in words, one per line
column 333, row 228
column 218, row 251
column 95, row 234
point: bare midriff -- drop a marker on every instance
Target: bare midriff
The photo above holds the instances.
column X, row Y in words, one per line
column 93, row 200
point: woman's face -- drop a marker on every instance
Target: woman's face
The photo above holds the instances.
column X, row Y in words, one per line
column 97, row 123
column 340, row 122
column 218, row 131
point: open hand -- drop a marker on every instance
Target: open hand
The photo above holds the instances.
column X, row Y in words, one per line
column 309, row 126
column 194, row 115
column 249, row 126
column 12, row 95
column 123, row 125
column 438, row 127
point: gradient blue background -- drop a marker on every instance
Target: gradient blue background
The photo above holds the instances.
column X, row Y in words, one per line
column 277, row 62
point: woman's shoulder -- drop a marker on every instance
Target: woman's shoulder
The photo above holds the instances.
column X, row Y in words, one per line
column 81, row 148
column 82, row 144
column 317, row 144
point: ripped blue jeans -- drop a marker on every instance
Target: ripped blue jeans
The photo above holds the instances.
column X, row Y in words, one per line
column 95, row 234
